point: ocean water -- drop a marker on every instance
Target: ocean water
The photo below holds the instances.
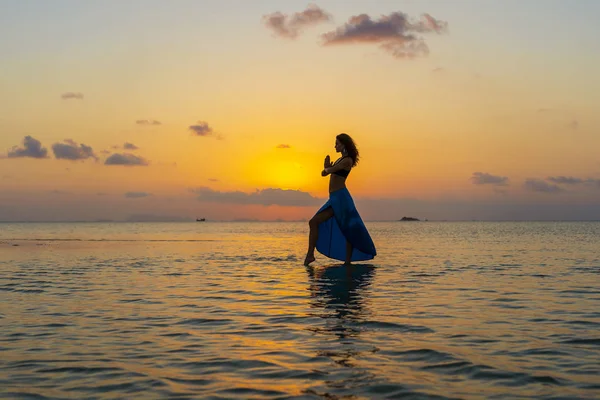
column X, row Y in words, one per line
column 447, row 310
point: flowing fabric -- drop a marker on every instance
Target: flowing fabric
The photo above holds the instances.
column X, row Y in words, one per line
column 346, row 225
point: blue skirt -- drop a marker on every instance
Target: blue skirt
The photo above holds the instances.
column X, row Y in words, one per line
column 346, row 225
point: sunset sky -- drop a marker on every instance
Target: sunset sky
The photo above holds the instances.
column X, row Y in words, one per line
column 116, row 109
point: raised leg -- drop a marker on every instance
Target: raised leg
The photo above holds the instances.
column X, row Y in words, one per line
column 314, row 232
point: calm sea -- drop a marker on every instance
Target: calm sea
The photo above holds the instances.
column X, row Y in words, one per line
column 446, row 310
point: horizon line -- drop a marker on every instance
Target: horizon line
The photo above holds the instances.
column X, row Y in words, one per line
column 288, row 221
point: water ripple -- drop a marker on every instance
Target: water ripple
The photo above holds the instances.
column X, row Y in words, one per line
column 447, row 311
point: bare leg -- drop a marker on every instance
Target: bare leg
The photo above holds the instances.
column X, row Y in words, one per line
column 314, row 233
column 348, row 253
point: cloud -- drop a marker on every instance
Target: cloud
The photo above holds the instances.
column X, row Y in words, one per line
column 430, row 24
column 72, row 95
column 290, row 27
column 31, row 148
column 283, row 146
column 213, row 180
column 125, row 159
column 148, row 122
column 201, row 129
column 56, row 191
column 564, row 117
column 438, row 69
column 483, row 178
column 574, row 124
column 395, row 33
column 70, row 150
column 265, row 197
column 566, row 180
column 130, row 146
column 538, row 185
column 571, row 180
column 137, row 195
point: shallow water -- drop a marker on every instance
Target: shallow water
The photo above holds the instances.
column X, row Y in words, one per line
column 226, row 310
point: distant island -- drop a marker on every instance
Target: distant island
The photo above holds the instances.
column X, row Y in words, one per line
column 409, row 219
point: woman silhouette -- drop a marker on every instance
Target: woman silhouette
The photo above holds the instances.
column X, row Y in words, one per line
column 336, row 230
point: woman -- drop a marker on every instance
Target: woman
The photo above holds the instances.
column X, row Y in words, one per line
column 337, row 230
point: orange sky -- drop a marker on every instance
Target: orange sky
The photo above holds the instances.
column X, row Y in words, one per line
column 493, row 118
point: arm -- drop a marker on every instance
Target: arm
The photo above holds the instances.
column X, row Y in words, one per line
column 344, row 164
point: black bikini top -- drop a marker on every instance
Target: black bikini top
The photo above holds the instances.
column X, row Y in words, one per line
column 342, row 172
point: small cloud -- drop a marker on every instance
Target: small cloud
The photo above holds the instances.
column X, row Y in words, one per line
column 31, row 148
column 265, row 197
column 594, row 182
column 283, row 146
column 101, row 194
column 562, row 116
column 571, row 180
column 202, row 128
column 483, row 178
column 574, row 125
column 538, row 185
column 72, row 95
column 130, row 146
column 213, row 180
column 105, row 152
column 70, row 150
column 290, row 27
column 438, row 70
column 395, row 33
column 59, row 192
column 126, row 159
column 137, row 195
column 566, row 180
column 148, row 122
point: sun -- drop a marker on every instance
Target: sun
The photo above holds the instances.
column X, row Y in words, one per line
column 278, row 169
column 286, row 174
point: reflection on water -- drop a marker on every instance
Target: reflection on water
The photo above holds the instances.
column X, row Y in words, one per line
column 341, row 292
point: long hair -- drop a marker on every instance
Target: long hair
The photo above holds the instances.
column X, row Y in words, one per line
column 350, row 147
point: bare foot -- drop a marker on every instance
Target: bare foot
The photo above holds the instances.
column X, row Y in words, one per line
column 308, row 260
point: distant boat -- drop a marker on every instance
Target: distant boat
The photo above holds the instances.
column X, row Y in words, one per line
column 200, row 219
